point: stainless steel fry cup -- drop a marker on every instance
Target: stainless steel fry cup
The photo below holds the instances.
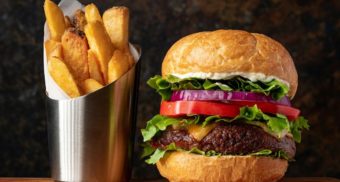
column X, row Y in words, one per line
column 91, row 137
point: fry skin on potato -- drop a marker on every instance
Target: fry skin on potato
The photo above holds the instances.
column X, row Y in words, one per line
column 63, row 77
column 131, row 60
column 94, row 69
column 75, row 54
column 91, row 85
column 118, row 65
column 116, row 22
column 68, row 22
column 87, row 51
column 79, row 20
column 101, row 45
column 53, row 49
column 55, row 20
column 92, row 13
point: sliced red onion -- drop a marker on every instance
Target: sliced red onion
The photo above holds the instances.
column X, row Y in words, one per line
column 224, row 96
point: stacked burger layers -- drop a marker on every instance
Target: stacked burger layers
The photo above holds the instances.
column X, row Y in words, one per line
column 225, row 113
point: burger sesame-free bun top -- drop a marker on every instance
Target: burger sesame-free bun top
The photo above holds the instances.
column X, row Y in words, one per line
column 223, row 54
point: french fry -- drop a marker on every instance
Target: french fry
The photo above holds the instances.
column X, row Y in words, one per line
column 116, row 22
column 68, row 22
column 94, row 67
column 79, row 20
column 53, row 49
column 63, row 77
column 131, row 61
column 55, row 20
column 100, row 43
column 92, row 13
column 118, row 65
column 87, row 51
column 75, row 54
column 91, row 85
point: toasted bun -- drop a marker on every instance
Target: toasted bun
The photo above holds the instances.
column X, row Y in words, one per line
column 231, row 51
column 185, row 167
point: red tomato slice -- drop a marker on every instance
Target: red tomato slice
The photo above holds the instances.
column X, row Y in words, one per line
column 180, row 108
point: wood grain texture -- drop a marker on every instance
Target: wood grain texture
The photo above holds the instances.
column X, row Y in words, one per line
column 284, row 180
column 25, row 180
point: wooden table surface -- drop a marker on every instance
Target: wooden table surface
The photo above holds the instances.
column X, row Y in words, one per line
column 284, row 180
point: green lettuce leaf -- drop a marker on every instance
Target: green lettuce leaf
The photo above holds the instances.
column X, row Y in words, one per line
column 147, row 150
column 160, row 123
column 282, row 155
column 296, row 126
column 157, row 154
column 277, row 126
column 210, row 85
column 266, row 152
column 156, row 124
column 165, row 86
column 262, row 152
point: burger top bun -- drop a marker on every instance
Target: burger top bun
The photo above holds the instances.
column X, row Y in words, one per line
column 185, row 167
column 223, row 54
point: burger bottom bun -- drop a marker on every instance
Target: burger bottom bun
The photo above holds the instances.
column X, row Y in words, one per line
column 186, row 167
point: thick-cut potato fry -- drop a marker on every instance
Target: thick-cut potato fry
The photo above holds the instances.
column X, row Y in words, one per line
column 116, row 22
column 53, row 49
column 55, row 20
column 87, row 51
column 118, row 65
column 91, row 85
column 94, row 69
column 63, row 77
column 75, row 54
column 100, row 43
column 92, row 13
column 79, row 20
column 68, row 22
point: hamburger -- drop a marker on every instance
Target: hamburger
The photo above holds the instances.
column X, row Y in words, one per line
column 225, row 113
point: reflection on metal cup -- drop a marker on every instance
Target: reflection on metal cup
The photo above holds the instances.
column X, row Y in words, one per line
column 90, row 137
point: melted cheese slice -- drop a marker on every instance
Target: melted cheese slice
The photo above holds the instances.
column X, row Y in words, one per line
column 199, row 132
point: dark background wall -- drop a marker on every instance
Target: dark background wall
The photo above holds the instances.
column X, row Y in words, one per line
column 308, row 29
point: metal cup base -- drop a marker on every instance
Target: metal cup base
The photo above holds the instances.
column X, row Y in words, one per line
column 91, row 137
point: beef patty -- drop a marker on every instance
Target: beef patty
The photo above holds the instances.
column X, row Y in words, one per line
column 234, row 139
